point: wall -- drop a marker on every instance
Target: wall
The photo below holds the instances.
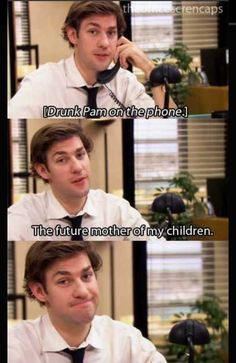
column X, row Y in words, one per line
column 46, row 20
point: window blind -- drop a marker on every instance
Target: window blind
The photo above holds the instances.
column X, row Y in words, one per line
column 181, row 272
column 19, row 156
column 197, row 25
column 20, row 185
column 158, row 25
column 165, row 147
column 22, row 30
column 10, row 278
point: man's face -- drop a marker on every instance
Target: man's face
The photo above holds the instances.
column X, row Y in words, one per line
column 71, row 291
column 95, row 44
column 68, row 169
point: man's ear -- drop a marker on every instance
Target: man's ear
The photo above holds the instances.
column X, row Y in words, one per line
column 42, row 171
column 38, row 291
column 72, row 35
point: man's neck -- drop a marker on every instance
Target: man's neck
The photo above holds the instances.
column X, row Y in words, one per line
column 73, row 334
column 89, row 76
column 72, row 205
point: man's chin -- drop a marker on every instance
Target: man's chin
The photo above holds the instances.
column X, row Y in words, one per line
column 103, row 66
column 82, row 194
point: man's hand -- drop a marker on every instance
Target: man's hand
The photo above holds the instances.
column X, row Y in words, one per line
column 129, row 52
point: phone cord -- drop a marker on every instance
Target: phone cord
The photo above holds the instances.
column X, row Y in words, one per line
column 115, row 99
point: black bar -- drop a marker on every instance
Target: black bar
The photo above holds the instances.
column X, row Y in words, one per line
column 106, row 161
column 223, row 18
column 112, row 282
column 128, row 160
column 139, row 254
column 12, row 49
column 140, row 302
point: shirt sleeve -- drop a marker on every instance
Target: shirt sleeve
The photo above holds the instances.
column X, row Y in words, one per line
column 134, row 92
column 17, row 227
column 144, row 351
column 22, row 346
column 140, row 99
column 131, row 217
column 28, row 100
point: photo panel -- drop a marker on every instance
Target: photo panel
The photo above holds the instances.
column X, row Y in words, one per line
column 114, row 279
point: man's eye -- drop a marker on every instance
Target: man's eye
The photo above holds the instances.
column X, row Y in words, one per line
column 112, row 33
column 63, row 282
column 81, row 155
column 93, row 32
column 88, row 275
column 61, row 160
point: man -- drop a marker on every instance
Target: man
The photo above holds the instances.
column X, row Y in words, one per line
column 62, row 277
column 60, row 156
column 94, row 30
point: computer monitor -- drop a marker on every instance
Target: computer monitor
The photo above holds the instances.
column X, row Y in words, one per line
column 217, row 191
column 214, row 62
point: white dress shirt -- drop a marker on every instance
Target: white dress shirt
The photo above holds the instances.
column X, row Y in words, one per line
column 109, row 341
column 59, row 84
column 101, row 210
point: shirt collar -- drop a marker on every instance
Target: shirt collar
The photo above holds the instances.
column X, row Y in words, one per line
column 73, row 76
column 52, row 341
column 55, row 210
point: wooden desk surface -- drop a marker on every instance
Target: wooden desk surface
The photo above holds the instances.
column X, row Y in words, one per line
column 206, row 99
column 218, row 225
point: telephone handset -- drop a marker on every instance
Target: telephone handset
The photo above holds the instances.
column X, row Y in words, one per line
column 107, row 75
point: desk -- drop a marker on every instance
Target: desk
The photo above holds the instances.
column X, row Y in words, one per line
column 218, row 225
column 205, row 99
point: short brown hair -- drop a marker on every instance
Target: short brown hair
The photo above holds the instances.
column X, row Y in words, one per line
column 41, row 255
column 46, row 136
column 80, row 10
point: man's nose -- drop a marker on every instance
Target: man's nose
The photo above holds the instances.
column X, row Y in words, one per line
column 103, row 40
column 76, row 165
column 80, row 290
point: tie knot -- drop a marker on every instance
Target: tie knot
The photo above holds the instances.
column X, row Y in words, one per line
column 75, row 224
column 91, row 90
column 77, row 355
column 75, row 221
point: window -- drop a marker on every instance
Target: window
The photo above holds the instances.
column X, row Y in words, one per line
column 158, row 25
column 152, row 26
column 181, row 272
column 22, row 31
column 11, row 278
column 156, row 156
column 19, row 157
column 164, row 147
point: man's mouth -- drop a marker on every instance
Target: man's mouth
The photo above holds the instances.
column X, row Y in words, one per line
column 81, row 303
column 79, row 180
column 102, row 56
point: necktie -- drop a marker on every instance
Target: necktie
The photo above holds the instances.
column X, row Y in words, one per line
column 77, row 355
column 75, row 223
column 91, row 103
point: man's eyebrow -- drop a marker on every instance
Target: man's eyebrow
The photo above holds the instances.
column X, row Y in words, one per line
column 99, row 26
column 61, row 152
column 68, row 273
